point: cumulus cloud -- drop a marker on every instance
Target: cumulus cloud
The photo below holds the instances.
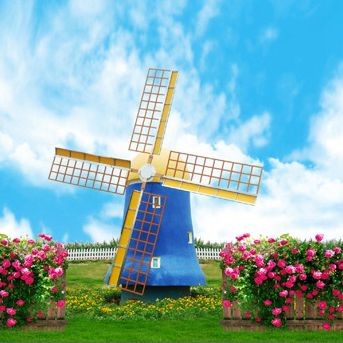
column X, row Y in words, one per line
column 254, row 132
column 98, row 230
column 13, row 227
column 302, row 197
column 106, row 224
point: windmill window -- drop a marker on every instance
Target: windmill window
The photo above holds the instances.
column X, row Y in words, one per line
column 156, row 201
column 156, row 262
column 190, row 237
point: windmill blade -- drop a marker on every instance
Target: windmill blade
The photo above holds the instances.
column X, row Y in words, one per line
column 224, row 179
column 90, row 171
column 153, row 111
column 126, row 231
column 140, row 250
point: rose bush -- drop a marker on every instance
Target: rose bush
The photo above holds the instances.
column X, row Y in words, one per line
column 31, row 276
column 263, row 276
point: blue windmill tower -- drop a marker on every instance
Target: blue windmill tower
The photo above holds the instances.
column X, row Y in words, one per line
column 156, row 257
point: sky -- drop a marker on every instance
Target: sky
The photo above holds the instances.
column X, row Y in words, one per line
column 259, row 82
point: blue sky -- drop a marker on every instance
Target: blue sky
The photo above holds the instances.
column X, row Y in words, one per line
column 260, row 81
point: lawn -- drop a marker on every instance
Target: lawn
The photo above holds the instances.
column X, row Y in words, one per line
column 82, row 328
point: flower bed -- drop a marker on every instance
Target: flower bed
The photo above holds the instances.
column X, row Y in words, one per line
column 32, row 280
column 98, row 303
column 282, row 281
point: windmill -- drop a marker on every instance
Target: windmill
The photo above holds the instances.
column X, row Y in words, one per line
column 156, row 256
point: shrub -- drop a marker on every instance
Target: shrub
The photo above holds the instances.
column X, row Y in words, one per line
column 263, row 276
column 31, row 276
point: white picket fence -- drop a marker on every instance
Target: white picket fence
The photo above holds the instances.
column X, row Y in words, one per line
column 109, row 253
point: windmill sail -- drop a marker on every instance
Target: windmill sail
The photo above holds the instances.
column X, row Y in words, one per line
column 90, row 171
column 153, row 111
column 214, row 177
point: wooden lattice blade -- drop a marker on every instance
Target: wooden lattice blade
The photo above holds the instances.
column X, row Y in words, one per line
column 165, row 114
column 125, row 236
column 142, row 243
column 153, row 111
column 224, row 179
column 91, row 171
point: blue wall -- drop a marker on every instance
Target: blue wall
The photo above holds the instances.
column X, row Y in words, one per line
column 179, row 264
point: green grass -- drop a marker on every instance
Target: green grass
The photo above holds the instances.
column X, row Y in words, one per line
column 87, row 274
column 206, row 329
column 82, row 329
column 91, row 274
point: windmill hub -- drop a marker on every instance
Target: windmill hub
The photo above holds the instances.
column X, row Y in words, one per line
column 147, row 172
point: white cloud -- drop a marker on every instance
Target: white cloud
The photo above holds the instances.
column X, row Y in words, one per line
column 98, row 230
column 296, row 198
column 209, row 11
column 269, row 34
column 71, row 92
column 112, row 210
column 13, row 227
column 255, row 132
column 326, row 139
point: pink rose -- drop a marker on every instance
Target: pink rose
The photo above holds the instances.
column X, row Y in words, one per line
column 302, row 277
column 45, row 247
column 332, row 267
column 2, row 308
column 310, row 252
column 61, row 303
column 329, row 253
column 303, row 287
column 257, row 241
column 277, row 322
column 319, row 237
column 267, row 302
column 288, row 300
column 326, row 326
column 295, row 250
column 283, row 293
column 11, row 322
column 336, row 292
column 276, row 311
column 11, row 311
column 20, row 302
column 271, row 240
column 6, row 263
column 4, row 293
column 16, row 240
column 283, row 241
column 247, row 314
column 317, row 275
column 281, row 263
column 227, row 303
column 337, row 250
column 290, row 269
column 320, row 284
column 322, row 305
